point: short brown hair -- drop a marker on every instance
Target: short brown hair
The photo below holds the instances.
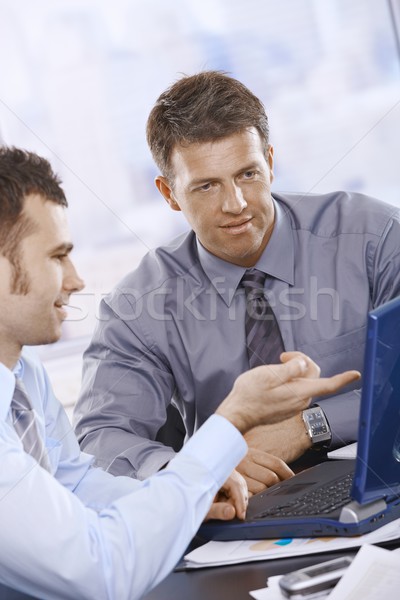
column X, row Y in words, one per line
column 201, row 108
column 22, row 173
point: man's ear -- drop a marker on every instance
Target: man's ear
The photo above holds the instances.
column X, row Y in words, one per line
column 270, row 161
column 165, row 190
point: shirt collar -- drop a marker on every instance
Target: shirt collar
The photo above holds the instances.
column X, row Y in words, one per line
column 224, row 276
column 277, row 260
column 7, row 384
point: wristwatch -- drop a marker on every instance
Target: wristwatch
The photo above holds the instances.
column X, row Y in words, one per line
column 317, row 427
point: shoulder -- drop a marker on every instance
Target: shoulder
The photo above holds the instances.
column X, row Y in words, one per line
column 162, row 266
column 337, row 213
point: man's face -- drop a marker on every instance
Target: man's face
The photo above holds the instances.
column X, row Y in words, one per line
column 35, row 317
column 224, row 190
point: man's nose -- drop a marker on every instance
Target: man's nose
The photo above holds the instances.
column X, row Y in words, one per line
column 72, row 281
column 234, row 201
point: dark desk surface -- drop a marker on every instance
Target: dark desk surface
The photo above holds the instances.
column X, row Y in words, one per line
column 234, row 582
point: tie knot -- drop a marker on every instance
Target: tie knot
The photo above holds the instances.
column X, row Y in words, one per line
column 253, row 282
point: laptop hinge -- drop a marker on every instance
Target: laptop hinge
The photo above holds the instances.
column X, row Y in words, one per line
column 355, row 512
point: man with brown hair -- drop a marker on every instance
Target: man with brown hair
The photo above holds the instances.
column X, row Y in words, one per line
column 179, row 328
column 68, row 530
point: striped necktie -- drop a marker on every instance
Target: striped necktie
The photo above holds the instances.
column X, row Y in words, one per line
column 24, row 421
column 263, row 337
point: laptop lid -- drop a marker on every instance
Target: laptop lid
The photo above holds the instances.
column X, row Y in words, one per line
column 377, row 472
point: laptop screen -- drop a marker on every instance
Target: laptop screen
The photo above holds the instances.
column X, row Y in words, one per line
column 377, row 470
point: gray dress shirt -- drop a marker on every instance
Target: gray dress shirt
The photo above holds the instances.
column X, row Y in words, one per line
column 173, row 329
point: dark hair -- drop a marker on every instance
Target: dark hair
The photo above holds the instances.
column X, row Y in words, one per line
column 202, row 108
column 22, row 173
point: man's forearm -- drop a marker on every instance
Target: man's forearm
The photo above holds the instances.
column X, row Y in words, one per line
column 287, row 440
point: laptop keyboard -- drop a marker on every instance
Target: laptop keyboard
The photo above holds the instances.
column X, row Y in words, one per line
column 321, row 501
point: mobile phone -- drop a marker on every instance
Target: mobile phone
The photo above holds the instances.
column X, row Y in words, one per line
column 306, row 582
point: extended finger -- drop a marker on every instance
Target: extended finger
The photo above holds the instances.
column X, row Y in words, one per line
column 302, row 387
column 328, row 385
column 334, row 383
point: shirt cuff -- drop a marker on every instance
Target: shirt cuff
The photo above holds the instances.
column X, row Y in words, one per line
column 342, row 413
column 218, row 445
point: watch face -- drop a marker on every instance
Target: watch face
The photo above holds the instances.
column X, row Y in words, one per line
column 317, row 424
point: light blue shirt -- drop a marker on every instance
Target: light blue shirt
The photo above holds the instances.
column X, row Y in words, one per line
column 173, row 329
column 80, row 533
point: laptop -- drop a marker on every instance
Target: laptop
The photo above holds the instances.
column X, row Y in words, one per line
column 341, row 497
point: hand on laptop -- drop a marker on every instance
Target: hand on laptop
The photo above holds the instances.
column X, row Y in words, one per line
column 231, row 501
column 261, row 469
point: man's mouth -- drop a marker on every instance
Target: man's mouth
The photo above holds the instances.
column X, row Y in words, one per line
column 237, row 227
column 61, row 308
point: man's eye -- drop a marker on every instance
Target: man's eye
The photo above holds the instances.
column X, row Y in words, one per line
column 248, row 174
column 205, row 187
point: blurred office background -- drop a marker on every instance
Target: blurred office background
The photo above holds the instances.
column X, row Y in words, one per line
column 79, row 77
